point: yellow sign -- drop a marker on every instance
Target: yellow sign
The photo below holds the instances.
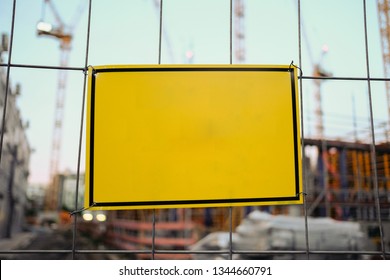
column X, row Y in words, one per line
column 177, row 136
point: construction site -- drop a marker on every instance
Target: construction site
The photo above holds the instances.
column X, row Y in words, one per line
column 345, row 210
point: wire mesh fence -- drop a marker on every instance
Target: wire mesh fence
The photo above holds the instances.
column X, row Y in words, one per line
column 344, row 132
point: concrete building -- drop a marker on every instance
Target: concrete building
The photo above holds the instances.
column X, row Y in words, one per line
column 67, row 191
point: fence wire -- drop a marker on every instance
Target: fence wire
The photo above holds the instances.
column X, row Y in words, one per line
column 231, row 251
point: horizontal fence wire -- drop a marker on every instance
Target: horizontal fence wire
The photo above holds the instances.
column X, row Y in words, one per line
column 303, row 77
column 33, row 66
column 197, row 252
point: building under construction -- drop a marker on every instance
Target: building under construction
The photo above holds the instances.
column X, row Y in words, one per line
column 340, row 185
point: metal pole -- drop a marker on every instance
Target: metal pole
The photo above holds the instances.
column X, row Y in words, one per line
column 304, row 175
column 230, row 62
column 81, row 133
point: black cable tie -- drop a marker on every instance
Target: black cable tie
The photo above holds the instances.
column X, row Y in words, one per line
column 82, row 209
column 300, row 70
column 85, row 70
column 291, row 64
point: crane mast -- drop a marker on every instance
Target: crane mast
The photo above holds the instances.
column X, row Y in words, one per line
column 239, row 14
column 65, row 39
column 58, row 121
column 384, row 26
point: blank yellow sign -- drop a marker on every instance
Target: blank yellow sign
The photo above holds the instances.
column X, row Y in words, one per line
column 163, row 136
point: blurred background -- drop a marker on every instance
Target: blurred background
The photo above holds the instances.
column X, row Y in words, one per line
column 343, row 50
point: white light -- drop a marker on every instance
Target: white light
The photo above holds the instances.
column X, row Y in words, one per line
column 189, row 54
column 101, row 217
column 87, row 217
column 44, row 26
column 325, row 48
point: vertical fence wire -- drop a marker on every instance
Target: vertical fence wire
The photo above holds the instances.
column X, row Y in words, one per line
column 372, row 130
column 7, row 79
column 231, row 33
column 160, row 32
column 304, row 173
column 81, row 130
column 153, row 234
column 159, row 62
column 231, row 62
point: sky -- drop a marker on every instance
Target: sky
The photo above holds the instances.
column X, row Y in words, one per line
column 127, row 32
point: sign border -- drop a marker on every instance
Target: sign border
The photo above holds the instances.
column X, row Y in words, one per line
column 213, row 202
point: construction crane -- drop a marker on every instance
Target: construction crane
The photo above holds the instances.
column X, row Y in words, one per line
column 64, row 35
column 239, row 30
column 319, row 72
column 384, row 26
